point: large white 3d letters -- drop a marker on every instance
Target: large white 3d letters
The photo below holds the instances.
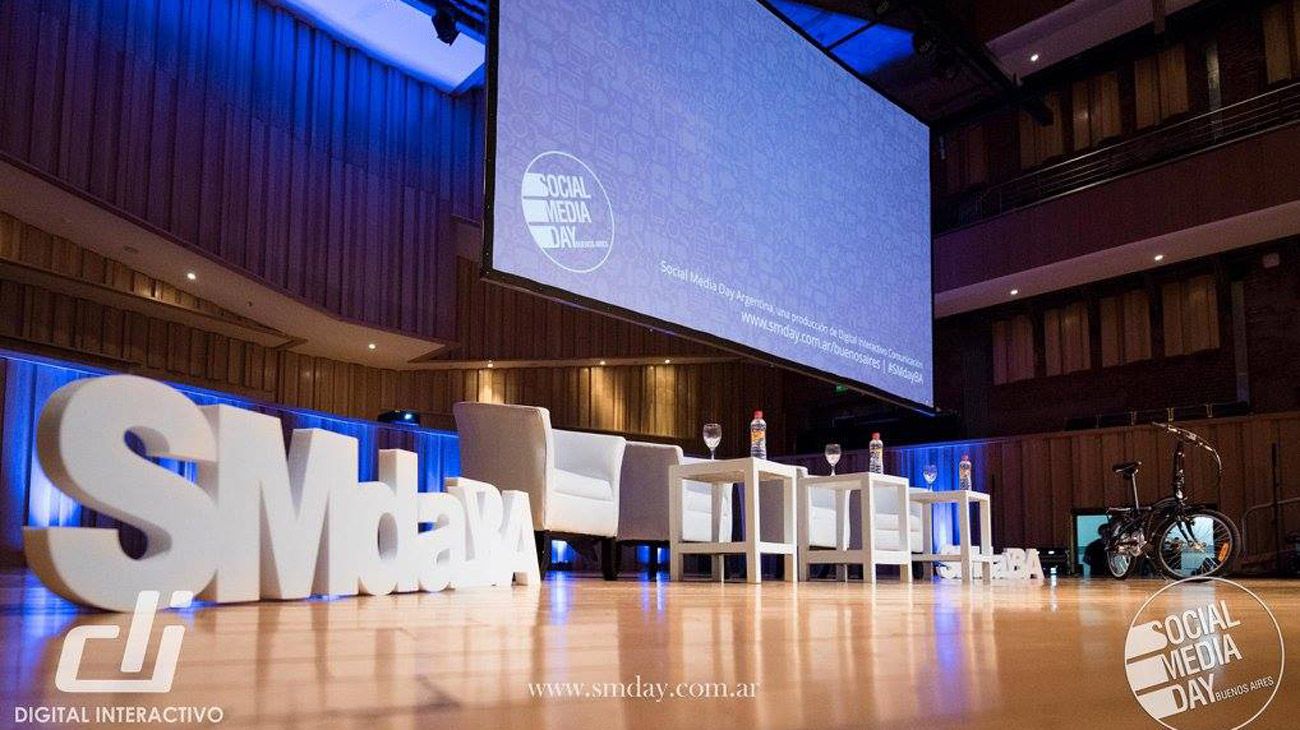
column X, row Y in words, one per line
column 259, row 524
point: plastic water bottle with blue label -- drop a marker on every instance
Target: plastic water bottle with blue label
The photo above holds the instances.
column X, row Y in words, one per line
column 758, row 436
column 876, row 449
column 963, row 472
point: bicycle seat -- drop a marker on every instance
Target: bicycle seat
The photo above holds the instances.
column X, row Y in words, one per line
column 1128, row 468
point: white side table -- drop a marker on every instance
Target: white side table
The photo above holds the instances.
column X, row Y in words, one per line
column 963, row 498
column 749, row 472
column 869, row 555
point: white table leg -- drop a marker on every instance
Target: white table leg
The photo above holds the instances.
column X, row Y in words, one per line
column 790, row 531
column 674, row 523
column 719, row 563
column 753, row 567
column 986, row 539
column 963, row 522
column 927, row 539
column 805, row 515
column 905, row 532
column 868, row 519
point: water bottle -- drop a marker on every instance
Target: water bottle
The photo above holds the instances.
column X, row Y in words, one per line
column 758, row 436
column 877, row 450
column 963, row 472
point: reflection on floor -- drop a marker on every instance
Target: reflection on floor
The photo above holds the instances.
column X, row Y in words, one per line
column 821, row 654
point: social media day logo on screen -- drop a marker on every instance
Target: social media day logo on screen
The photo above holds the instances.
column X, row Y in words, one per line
column 568, row 212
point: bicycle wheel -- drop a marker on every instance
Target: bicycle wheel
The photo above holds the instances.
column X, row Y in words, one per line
column 1197, row 544
column 1121, row 565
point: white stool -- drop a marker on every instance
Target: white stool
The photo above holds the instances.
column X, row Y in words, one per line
column 870, row 554
column 963, row 498
column 749, row 472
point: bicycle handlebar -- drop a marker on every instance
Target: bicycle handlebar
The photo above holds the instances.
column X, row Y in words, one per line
column 1186, row 436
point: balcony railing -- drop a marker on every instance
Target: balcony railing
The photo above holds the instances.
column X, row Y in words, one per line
column 1270, row 110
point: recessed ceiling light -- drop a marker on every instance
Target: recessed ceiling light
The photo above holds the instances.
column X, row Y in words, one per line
column 1159, row 257
column 191, row 275
column 602, row 362
column 668, row 362
column 1033, row 58
column 491, row 364
column 372, row 346
column 1015, row 292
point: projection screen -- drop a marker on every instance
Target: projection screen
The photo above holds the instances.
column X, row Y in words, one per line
column 703, row 167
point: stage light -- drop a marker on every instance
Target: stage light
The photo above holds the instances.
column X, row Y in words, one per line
column 1033, row 58
column 1159, row 257
column 491, row 364
column 602, row 362
column 191, row 276
column 668, row 362
column 372, row 346
column 410, row 418
column 444, row 22
column 1015, row 292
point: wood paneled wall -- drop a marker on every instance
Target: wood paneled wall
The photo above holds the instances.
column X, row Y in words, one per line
column 1096, row 110
column 1125, row 328
column 661, row 401
column 1160, row 85
column 1035, row 481
column 1013, row 349
column 30, row 246
column 497, row 323
column 1042, row 142
column 244, row 133
column 1191, row 315
column 1067, row 339
column 1281, row 23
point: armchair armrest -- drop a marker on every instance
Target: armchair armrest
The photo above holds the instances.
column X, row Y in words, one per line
column 590, row 454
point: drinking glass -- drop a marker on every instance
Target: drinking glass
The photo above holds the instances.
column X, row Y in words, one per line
column 833, row 454
column 712, row 437
column 931, row 473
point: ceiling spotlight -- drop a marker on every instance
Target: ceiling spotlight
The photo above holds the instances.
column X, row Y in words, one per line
column 491, row 364
column 444, row 22
column 602, row 362
column 668, row 362
column 191, row 275
column 1015, row 292
column 1033, row 58
column 372, row 346
column 1159, row 257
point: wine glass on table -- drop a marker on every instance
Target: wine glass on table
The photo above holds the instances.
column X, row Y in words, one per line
column 712, row 437
column 833, row 453
column 930, row 473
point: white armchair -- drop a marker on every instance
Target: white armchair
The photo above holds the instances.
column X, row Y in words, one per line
column 643, row 504
column 572, row 478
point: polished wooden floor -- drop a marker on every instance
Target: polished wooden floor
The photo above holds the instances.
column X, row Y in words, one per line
column 821, row 654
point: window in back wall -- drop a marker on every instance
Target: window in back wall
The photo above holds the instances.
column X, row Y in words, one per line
column 1191, row 315
column 1067, row 342
column 1095, row 110
column 1125, row 328
column 1013, row 349
column 1281, row 40
column 1160, row 86
column 1039, row 143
